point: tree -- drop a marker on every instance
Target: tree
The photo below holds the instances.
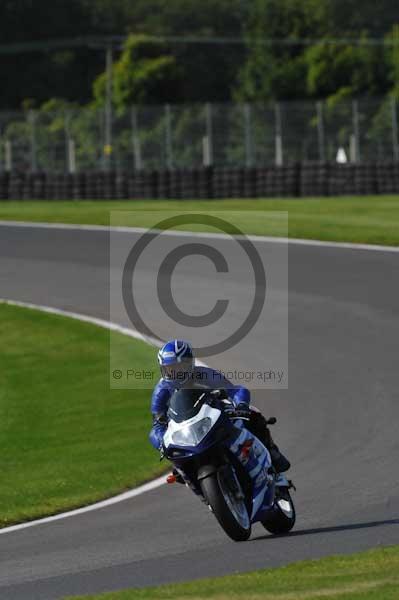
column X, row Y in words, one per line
column 212, row 71
column 275, row 70
column 348, row 70
column 392, row 59
column 142, row 75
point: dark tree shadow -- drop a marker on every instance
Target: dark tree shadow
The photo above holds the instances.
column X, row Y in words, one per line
column 331, row 529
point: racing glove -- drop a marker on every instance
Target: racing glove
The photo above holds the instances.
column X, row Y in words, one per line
column 242, row 410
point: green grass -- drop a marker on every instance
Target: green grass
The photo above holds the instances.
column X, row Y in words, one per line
column 372, row 575
column 66, row 439
column 355, row 219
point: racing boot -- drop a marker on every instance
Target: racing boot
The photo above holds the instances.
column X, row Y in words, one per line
column 258, row 426
column 279, row 462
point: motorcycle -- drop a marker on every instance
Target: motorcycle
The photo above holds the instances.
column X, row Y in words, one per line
column 225, row 464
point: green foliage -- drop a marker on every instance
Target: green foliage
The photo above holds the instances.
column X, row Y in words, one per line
column 392, row 59
column 70, row 73
column 182, row 72
column 142, row 75
column 273, row 70
column 150, row 72
column 316, row 71
column 355, row 69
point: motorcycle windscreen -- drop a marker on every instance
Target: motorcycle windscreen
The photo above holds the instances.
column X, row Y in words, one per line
column 185, row 404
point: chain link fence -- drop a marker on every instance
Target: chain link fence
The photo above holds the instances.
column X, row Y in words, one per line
column 191, row 136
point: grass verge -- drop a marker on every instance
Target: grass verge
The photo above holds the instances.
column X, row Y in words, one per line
column 365, row 219
column 66, row 439
column 372, row 575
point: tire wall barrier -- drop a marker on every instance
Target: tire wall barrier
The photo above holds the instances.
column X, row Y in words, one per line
column 295, row 180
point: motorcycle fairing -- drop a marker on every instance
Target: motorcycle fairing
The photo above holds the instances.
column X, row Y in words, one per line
column 206, row 411
column 256, row 462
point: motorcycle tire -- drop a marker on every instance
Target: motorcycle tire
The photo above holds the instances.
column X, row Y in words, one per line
column 213, row 493
column 281, row 518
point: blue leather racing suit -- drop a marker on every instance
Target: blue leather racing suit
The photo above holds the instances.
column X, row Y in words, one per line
column 164, row 390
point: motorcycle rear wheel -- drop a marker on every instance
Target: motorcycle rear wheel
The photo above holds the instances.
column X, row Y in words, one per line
column 282, row 517
column 237, row 526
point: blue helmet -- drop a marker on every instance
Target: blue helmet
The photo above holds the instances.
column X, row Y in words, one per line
column 176, row 360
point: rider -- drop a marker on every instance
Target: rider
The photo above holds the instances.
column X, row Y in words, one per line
column 178, row 368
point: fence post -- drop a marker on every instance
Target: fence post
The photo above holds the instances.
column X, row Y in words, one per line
column 248, row 135
column 138, row 163
column 108, row 108
column 67, row 137
column 395, row 140
column 279, row 137
column 8, row 155
column 168, row 137
column 320, row 131
column 208, row 140
column 33, row 149
column 70, row 146
column 356, row 138
column 71, row 156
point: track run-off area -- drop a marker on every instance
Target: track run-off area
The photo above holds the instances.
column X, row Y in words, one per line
column 337, row 422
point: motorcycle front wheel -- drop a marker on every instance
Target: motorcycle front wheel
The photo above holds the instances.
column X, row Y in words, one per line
column 228, row 505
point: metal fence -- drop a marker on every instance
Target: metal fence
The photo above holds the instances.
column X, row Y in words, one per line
column 190, row 136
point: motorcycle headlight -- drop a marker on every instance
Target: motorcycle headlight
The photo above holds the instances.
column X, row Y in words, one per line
column 191, row 435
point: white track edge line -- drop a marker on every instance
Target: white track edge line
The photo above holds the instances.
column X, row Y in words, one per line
column 115, row 499
column 152, row 485
column 222, row 236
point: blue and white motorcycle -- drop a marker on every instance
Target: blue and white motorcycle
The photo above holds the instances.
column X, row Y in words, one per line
column 225, row 464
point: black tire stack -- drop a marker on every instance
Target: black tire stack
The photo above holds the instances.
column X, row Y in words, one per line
column 288, row 181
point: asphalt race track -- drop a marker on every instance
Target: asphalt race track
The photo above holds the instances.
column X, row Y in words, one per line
column 338, row 423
